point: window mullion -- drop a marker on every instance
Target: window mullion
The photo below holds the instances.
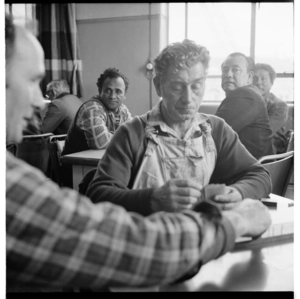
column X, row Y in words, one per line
column 253, row 29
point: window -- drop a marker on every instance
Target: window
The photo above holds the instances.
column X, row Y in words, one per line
column 263, row 31
column 21, row 12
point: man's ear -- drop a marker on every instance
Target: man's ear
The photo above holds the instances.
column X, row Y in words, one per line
column 250, row 77
column 156, row 82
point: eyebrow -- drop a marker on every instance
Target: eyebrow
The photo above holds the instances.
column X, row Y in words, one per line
column 177, row 80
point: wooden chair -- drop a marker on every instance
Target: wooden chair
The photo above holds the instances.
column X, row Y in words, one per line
column 281, row 167
column 34, row 150
column 56, row 144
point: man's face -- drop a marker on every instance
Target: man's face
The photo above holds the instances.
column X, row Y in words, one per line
column 235, row 74
column 263, row 81
column 113, row 93
column 24, row 72
column 182, row 93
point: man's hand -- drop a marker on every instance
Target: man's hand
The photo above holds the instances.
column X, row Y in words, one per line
column 176, row 195
column 250, row 218
column 229, row 199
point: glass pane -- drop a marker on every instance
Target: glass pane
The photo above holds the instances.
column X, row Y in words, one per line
column 213, row 90
column 283, row 88
column 18, row 10
column 274, row 36
column 176, row 22
column 222, row 28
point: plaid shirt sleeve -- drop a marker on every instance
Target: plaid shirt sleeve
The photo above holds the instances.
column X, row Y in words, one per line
column 92, row 120
column 57, row 237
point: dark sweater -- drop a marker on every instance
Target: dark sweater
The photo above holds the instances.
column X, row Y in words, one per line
column 119, row 166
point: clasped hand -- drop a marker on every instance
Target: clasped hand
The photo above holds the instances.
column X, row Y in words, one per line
column 181, row 194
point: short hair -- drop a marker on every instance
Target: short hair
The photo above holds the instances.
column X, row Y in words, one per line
column 111, row 73
column 268, row 68
column 10, row 37
column 181, row 55
column 249, row 60
column 58, row 87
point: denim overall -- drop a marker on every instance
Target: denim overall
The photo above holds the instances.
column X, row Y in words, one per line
column 168, row 157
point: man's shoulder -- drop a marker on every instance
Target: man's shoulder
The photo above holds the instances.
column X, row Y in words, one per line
column 93, row 103
column 249, row 91
column 214, row 120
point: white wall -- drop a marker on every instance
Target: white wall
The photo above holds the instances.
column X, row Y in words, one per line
column 118, row 35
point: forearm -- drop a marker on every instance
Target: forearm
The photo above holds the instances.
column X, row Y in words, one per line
column 236, row 167
column 132, row 200
column 98, row 137
column 255, row 184
column 84, row 245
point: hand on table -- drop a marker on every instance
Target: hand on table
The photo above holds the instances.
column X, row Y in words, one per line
column 249, row 217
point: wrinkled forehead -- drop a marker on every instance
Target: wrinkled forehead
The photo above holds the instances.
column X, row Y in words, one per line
column 174, row 71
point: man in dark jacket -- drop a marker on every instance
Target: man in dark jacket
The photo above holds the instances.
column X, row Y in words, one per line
column 244, row 108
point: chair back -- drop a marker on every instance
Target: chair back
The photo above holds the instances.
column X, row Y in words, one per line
column 290, row 141
column 56, row 144
column 280, row 167
column 34, row 150
column 12, row 148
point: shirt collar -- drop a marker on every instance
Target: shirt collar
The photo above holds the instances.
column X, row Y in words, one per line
column 154, row 118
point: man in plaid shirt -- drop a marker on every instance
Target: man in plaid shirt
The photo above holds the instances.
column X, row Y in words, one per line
column 97, row 119
column 58, row 238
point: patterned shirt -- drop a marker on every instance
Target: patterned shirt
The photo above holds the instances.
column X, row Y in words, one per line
column 57, row 237
column 92, row 119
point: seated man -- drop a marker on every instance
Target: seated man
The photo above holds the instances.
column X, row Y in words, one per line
column 244, row 108
column 62, row 109
column 97, row 119
column 264, row 76
column 58, row 238
column 163, row 159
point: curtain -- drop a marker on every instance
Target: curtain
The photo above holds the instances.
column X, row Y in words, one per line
column 58, row 37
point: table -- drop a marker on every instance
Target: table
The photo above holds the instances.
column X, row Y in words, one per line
column 82, row 162
column 264, row 264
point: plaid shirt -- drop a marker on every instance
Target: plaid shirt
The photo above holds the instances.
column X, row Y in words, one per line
column 92, row 119
column 56, row 237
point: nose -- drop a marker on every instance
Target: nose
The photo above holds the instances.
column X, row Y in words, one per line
column 38, row 99
column 187, row 95
column 112, row 94
column 229, row 73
